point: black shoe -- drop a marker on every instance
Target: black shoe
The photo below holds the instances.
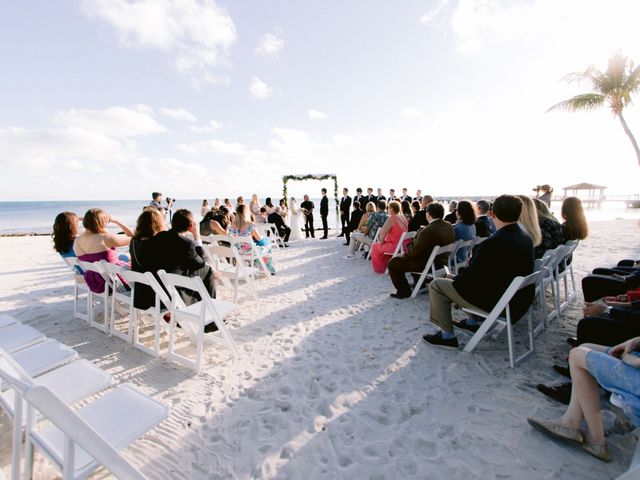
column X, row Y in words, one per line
column 341, row 235
column 400, row 296
column 562, row 370
column 466, row 326
column 438, row 341
column 211, row 327
column 560, row 393
column 346, row 243
column 572, row 341
column 323, row 238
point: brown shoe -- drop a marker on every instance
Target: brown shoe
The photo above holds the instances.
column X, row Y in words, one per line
column 557, row 430
column 598, row 450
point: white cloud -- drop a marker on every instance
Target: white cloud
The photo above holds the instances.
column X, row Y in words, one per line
column 118, row 122
column 198, row 34
column 411, row 113
column 434, row 12
column 259, row 89
column 179, row 114
column 214, row 147
column 317, row 115
column 210, row 127
column 270, row 46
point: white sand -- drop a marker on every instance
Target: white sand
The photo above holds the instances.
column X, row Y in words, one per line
column 334, row 380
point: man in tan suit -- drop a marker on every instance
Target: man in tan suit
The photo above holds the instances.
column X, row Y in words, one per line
column 438, row 232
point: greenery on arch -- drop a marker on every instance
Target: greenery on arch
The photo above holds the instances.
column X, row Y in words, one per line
column 309, row 176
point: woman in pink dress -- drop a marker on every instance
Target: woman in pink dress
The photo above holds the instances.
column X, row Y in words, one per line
column 390, row 234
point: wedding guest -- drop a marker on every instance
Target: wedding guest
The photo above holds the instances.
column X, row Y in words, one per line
column 227, row 204
column 239, row 200
column 204, row 209
column 484, row 225
column 169, row 208
column 546, row 194
column 407, row 210
column 390, row 233
column 345, row 207
column 499, row 259
column 368, row 232
column 210, row 225
column 65, row 231
column 420, row 218
column 283, row 230
column 437, row 232
column 262, row 216
column 354, row 222
column 243, row 227
column 307, row 207
column 216, row 204
column 451, row 217
column 464, row 228
column 550, row 229
column 324, row 213
column 268, row 204
column 96, row 243
column 575, row 223
column 529, row 220
column 254, row 205
column 404, row 197
column 156, row 200
column 284, row 211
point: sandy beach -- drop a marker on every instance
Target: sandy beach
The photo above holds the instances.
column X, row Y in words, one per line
column 334, row 380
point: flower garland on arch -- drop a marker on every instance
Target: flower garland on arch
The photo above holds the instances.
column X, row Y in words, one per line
column 309, row 176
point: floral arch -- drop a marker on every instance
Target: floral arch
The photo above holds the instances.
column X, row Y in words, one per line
column 324, row 176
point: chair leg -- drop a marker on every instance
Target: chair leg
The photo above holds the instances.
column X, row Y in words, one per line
column 16, row 447
column 512, row 361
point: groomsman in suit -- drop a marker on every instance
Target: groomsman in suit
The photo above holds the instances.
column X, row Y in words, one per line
column 345, row 205
column 324, row 213
column 380, row 196
column 418, row 196
column 308, row 217
column 392, row 195
column 405, row 196
column 369, row 197
column 359, row 198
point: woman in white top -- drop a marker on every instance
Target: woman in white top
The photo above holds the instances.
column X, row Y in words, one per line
column 205, row 207
column 254, row 205
column 296, row 222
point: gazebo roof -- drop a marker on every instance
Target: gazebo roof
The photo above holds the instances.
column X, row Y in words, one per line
column 585, row 186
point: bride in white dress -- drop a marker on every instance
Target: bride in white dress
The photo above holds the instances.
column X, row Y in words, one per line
column 296, row 222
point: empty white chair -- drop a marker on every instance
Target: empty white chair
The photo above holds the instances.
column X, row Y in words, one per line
column 565, row 270
column 119, row 296
column 7, row 321
column 430, row 269
column 17, row 337
column 549, row 280
column 228, row 263
column 44, row 356
column 156, row 311
column 495, row 318
column 79, row 288
column 94, row 297
column 275, row 235
column 193, row 318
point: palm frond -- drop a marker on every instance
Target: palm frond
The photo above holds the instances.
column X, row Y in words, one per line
column 585, row 101
column 591, row 74
column 632, row 83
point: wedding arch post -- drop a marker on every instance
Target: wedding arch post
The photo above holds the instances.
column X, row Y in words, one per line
column 310, row 176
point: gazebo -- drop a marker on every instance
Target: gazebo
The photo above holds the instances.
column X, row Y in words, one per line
column 595, row 193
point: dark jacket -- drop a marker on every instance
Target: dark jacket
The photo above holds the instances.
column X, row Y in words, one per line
column 451, row 217
column 552, row 235
column 278, row 221
column 485, row 226
column 345, row 205
column 356, row 216
column 508, row 253
column 324, row 206
column 418, row 220
column 418, row 251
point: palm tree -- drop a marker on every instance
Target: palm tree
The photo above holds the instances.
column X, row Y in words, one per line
column 614, row 87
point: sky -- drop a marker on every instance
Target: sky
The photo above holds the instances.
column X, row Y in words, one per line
column 113, row 99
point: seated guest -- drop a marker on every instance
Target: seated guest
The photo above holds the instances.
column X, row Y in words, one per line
column 243, row 227
column 529, row 220
column 406, row 210
column 451, row 217
column 216, row 204
column 268, row 205
column 597, row 285
column 204, row 209
column 506, row 254
column 284, row 211
column 484, row 224
column 575, row 223
column 550, row 229
column 65, row 231
column 415, row 207
column 420, row 218
column 174, row 252
column 227, row 204
column 210, row 226
column 97, row 243
column 149, row 224
column 283, row 230
column 616, row 370
column 358, row 220
column 262, row 216
column 390, row 233
column 368, row 232
column 465, row 227
column 437, row 232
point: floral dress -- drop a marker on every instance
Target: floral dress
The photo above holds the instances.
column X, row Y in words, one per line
column 262, row 246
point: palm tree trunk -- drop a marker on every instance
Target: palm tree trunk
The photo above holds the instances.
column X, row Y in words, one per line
column 630, row 135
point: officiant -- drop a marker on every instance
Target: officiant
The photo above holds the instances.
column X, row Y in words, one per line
column 307, row 208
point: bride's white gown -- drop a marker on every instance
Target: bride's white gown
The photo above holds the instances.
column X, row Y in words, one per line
column 296, row 224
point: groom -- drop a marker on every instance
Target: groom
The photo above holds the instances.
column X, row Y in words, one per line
column 324, row 213
column 308, row 216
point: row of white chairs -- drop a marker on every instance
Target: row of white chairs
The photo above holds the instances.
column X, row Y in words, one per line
column 66, row 408
column 270, row 231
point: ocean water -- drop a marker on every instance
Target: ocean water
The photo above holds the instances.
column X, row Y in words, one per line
column 37, row 217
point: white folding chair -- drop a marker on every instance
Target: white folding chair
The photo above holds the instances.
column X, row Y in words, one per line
column 468, row 244
column 7, row 321
column 275, row 235
column 44, row 356
column 71, row 382
column 193, row 318
column 79, row 288
column 565, row 270
column 17, row 337
column 549, row 280
column 250, row 254
column 501, row 316
column 221, row 252
column 156, row 311
column 95, row 297
column 367, row 248
column 430, row 269
column 400, row 246
column 119, row 296
column 540, row 299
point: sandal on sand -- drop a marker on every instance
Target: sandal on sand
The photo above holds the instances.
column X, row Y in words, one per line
column 557, row 430
column 598, row 450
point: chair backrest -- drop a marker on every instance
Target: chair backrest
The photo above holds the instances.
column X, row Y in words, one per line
column 115, row 273
column 13, row 374
column 98, row 269
column 148, row 279
column 439, row 250
column 74, row 427
column 72, row 263
column 518, row 283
